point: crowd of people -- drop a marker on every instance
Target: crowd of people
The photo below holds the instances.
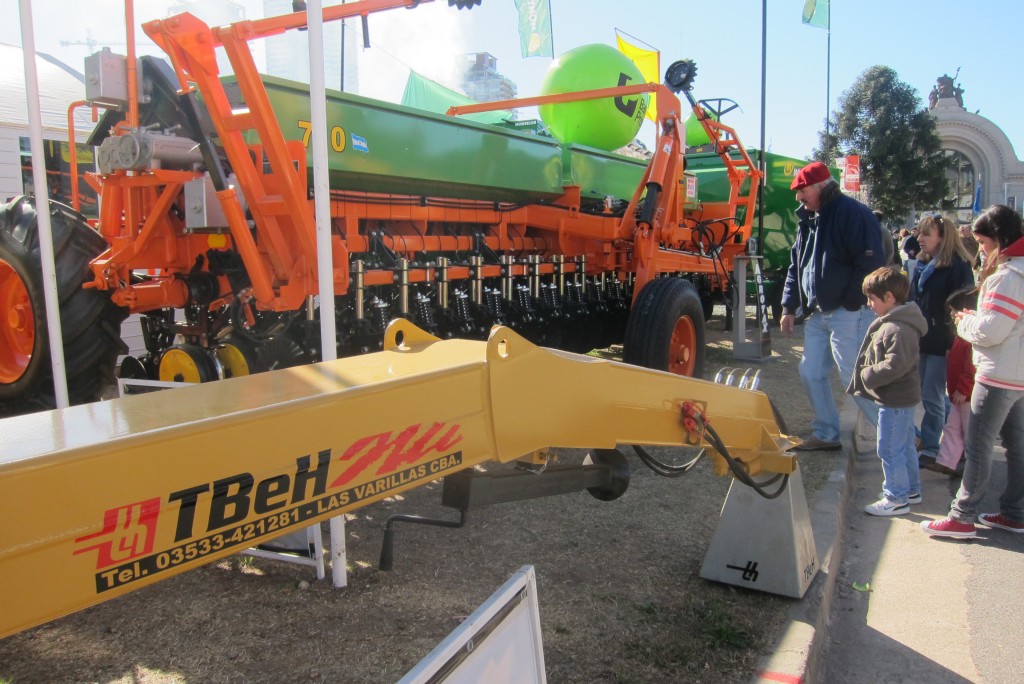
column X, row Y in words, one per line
column 931, row 318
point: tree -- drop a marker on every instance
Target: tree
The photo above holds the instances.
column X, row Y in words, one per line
column 881, row 119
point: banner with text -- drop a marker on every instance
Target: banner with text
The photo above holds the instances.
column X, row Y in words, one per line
column 535, row 28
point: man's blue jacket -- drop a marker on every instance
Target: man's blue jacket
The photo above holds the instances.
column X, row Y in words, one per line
column 848, row 247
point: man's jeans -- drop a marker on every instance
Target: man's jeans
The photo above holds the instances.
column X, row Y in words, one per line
column 832, row 340
column 899, row 457
column 994, row 410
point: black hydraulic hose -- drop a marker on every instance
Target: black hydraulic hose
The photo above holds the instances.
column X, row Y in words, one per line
column 739, row 470
column 666, row 469
column 736, row 467
column 416, row 201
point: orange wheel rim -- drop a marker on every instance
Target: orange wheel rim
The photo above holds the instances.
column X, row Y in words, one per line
column 17, row 325
column 682, row 351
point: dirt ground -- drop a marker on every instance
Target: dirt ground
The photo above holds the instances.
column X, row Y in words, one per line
column 618, row 585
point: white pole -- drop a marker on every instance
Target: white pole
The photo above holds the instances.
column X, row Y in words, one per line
column 828, row 81
column 322, row 209
column 60, row 383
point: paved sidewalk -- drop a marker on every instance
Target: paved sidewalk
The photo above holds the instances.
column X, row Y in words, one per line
column 938, row 610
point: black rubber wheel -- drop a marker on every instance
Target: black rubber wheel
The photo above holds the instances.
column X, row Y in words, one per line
column 187, row 363
column 618, row 473
column 666, row 328
column 90, row 322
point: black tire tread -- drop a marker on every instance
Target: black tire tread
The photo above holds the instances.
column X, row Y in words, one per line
column 90, row 321
column 651, row 322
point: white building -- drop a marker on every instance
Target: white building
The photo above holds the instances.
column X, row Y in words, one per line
column 980, row 152
column 59, row 86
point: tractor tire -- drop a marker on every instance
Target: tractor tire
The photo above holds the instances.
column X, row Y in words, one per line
column 90, row 322
column 666, row 328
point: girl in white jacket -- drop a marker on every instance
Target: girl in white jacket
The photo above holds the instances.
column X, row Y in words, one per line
column 996, row 333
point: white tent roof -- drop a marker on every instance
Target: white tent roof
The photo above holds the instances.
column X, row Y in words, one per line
column 59, row 86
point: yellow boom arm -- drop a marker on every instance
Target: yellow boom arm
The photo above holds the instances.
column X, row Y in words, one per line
column 101, row 499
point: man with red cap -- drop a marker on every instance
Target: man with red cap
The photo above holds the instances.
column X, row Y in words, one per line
column 838, row 243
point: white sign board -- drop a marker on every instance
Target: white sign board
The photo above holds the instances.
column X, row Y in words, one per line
column 500, row 643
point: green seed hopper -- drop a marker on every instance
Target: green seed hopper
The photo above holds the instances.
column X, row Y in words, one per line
column 779, row 220
column 382, row 147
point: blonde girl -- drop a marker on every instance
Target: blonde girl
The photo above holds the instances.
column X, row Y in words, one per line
column 943, row 268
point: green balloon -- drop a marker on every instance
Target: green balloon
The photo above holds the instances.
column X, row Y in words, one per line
column 606, row 124
column 695, row 133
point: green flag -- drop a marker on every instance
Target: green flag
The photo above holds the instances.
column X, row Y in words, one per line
column 816, row 13
column 535, row 28
column 422, row 93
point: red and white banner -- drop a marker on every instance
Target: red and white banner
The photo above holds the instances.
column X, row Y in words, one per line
column 851, row 173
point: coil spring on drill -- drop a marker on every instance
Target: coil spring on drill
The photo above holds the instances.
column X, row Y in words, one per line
column 617, row 293
column 549, row 294
column 523, row 296
column 424, row 312
column 461, row 306
column 492, row 298
column 573, row 293
column 380, row 312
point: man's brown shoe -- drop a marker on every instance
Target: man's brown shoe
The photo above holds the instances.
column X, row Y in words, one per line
column 812, row 443
column 938, row 468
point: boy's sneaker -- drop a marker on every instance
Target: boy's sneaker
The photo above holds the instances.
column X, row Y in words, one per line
column 912, row 499
column 885, row 507
column 947, row 527
column 1003, row 523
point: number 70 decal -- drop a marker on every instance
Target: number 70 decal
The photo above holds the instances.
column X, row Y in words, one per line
column 337, row 134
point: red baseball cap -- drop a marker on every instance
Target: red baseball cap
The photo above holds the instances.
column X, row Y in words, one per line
column 815, row 172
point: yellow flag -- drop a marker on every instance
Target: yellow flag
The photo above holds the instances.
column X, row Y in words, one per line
column 647, row 61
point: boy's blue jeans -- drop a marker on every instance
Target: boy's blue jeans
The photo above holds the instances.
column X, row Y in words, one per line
column 899, row 457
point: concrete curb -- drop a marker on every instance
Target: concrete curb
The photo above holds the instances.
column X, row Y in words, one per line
column 796, row 656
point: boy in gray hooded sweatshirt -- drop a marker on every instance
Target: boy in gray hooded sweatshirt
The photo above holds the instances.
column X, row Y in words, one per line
column 886, row 373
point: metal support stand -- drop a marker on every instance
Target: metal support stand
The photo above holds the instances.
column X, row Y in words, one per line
column 314, row 541
column 764, row 544
column 757, row 346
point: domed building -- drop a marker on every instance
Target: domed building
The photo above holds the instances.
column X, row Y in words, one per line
column 979, row 153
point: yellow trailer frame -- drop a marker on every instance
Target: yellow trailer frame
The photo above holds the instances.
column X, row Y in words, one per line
column 101, row 499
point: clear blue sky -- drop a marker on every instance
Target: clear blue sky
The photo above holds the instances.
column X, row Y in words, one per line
column 920, row 39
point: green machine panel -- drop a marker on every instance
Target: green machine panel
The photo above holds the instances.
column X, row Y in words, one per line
column 382, row 147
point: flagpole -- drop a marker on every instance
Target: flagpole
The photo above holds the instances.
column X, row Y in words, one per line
column 828, row 80
column 760, row 156
column 551, row 24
